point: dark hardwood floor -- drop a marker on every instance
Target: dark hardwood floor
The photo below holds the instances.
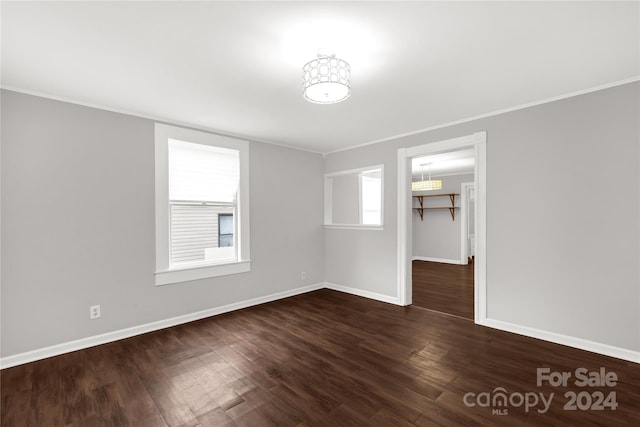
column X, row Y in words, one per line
column 447, row 288
column 320, row 359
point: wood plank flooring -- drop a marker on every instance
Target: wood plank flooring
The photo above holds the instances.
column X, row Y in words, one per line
column 447, row 288
column 320, row 359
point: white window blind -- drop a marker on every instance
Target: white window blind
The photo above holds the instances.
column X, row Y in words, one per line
column 200, row 172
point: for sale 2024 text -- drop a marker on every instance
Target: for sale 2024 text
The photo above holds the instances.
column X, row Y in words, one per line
column 582, row 400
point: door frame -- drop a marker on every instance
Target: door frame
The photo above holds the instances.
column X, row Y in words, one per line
column 477, row 141
column 464, row 222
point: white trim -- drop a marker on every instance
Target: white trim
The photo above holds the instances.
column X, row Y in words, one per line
column 164, row 275
column 243, row 225
column 490, row 114
column 353, row 227
column 404, row 239
column 442, row 260
column 452, row 144
column 161, row 119
column 188, row 274
column 478, row 142
column 324, row 153
column 360, row 213
column 55, row 350
column 362, row 293
column 442, row 175
column 592, row 346
column 328, row 199
column 354, row 171
column 161, row 167
column 480, row 215
column 58, row 349
column 382, row 196
column 464, row 222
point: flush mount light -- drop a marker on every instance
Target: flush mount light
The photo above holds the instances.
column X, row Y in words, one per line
column 326, row 79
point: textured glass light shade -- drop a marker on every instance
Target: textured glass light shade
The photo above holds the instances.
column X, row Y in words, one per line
column 432, row 184
column 326, row 80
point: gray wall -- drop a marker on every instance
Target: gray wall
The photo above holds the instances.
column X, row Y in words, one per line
column 563, row 195
column 365, row 259
column 78, row 225
column 345, row 203
column 77, row 221
column 437, row 236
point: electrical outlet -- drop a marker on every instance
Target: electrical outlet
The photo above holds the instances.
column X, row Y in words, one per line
column 94, row 312
column 303, row 275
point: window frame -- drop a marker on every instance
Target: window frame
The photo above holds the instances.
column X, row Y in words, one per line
column 165, row 275
column 328, row 199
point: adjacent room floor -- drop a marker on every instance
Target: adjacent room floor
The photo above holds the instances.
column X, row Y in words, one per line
column 447, row 288
column 320, row 359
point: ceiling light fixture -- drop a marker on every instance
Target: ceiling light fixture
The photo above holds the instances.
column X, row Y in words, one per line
column 326, row 79
column 430, row 184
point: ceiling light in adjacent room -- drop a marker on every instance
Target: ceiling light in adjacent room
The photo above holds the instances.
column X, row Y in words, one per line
column 326, row 79
column 430, row 184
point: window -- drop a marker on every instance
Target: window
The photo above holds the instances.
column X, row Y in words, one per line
column 202, row 223
column 371, row 197
column 225, row 230
column 354, row 198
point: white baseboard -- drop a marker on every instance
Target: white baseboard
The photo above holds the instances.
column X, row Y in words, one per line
column 362, row 293
column 443, row 260
column 55, row 350
column 58, row 349
column 592, row 346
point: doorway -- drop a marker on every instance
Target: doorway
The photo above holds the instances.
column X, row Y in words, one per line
column 442, row 249
column 406, row 209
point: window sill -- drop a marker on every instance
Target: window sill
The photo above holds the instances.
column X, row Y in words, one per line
column 354, row 227
column 168, row 277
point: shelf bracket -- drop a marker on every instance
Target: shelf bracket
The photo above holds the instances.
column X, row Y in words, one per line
column 452, row 209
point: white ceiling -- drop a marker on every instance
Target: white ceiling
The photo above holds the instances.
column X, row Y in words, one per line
column 236, row 66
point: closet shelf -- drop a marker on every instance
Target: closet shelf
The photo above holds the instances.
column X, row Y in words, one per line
column 452, row 208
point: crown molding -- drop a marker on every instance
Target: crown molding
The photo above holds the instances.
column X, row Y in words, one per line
column 326, row 153
column 158, row 119
column 493, row 113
